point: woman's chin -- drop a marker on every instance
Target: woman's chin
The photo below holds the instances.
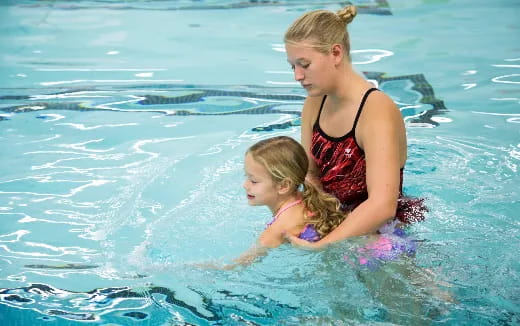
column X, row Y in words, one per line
column 312, row 91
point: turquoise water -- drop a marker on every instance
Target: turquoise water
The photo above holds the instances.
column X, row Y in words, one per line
column 123, row 127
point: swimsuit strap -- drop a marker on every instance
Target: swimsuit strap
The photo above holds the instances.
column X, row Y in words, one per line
column 317, row 122
column 361, row 108
column 286, row 207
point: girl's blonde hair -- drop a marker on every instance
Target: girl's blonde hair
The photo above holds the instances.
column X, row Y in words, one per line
column 285, row 160
column 322, row 29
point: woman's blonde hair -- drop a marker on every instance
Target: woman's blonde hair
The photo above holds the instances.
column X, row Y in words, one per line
column 322, row 29
column 285, row 160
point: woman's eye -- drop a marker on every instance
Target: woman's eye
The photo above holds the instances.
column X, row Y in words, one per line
column 292, row 67
column 305, row 66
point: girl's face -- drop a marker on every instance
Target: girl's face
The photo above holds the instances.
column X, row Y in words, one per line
column 260, row 188
column 312, row 69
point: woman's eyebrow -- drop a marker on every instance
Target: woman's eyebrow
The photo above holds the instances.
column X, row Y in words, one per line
column 299, row 60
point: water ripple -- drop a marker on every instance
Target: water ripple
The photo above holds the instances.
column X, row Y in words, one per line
column 81, row 126
column 506, row 79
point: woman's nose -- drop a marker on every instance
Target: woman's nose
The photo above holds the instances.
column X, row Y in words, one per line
column 298, row 73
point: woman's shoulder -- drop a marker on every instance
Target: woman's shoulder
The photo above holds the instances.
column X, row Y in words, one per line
column 379, row 106
column 312, row 103
column 380, row 117
column 311, row 107
column 379, row 99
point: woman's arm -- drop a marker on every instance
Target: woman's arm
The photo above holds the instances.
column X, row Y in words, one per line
column 381, row 134
column 309, row 114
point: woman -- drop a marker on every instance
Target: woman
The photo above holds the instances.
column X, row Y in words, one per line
column 353, row 133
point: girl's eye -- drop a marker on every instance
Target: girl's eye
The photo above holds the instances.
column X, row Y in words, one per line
column 292, row 67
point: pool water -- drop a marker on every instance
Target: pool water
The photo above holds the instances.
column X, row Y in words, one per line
column 123, row 127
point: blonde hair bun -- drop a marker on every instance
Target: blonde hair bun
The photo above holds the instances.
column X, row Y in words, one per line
column 347, row 13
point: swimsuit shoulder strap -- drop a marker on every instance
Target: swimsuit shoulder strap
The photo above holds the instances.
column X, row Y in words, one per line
column 317, row 122
column 361, row 108
column 286, row 207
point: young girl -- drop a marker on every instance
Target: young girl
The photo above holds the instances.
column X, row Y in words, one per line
column 275, row 170
column 275, row 177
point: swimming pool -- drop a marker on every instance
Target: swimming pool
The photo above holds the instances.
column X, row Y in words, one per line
column 123, row 128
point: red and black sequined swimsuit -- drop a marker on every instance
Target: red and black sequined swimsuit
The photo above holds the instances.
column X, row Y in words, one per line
column 342, row 167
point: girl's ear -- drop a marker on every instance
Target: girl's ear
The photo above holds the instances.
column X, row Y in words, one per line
column 284, row 186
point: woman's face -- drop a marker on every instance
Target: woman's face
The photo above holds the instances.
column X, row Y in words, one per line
column 312, row 69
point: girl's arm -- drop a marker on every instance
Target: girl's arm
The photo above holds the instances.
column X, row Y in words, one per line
column 381, row 134
column 272, row 237
column 245, row 259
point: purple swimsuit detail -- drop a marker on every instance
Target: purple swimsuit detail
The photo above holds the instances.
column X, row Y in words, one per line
column 309, row 233
column 391, row 244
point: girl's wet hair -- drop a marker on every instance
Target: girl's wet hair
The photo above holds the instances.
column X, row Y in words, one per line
column 285, row 160
column 283, row 157
column 320, row 29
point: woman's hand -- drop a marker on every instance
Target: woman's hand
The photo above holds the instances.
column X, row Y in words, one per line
column 304, row 244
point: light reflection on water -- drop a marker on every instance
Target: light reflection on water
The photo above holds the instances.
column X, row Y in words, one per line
column 116, row 181
column 133, row 200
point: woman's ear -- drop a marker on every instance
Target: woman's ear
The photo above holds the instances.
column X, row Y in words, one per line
column 337, row 53
column 285, row 186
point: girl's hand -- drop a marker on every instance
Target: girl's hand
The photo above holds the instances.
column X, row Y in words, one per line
column 304, row 244
column 215, row 266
